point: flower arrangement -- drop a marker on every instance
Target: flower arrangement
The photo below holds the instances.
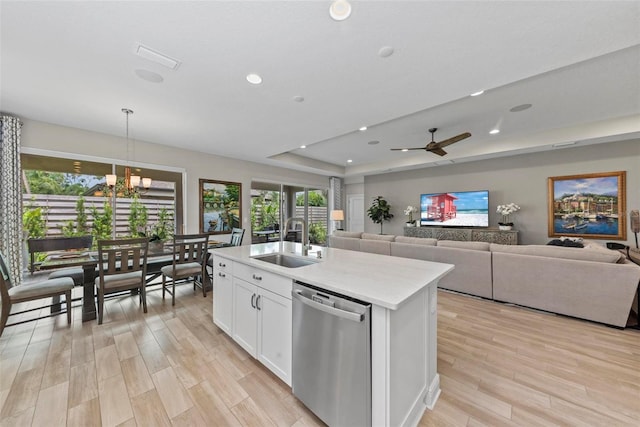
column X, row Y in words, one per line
column 409, row 211
column 506, row 211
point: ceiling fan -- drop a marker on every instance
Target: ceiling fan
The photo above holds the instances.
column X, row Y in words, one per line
column 436, row 147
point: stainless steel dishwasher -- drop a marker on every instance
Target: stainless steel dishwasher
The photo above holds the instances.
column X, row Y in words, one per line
column 331, row 370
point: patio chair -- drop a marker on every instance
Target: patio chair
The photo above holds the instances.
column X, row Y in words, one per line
column 190, row 254
column 122, row 265
column 42, row 289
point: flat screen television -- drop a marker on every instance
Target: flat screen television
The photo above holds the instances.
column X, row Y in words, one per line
column 461, row 209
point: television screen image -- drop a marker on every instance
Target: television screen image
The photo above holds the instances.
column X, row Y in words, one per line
column 462, row 209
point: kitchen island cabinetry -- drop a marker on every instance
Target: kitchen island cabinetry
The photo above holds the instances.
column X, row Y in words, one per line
column 253, row 306
column 223, row 293
column 403, row 297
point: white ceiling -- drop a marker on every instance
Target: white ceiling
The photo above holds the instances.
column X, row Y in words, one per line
column 578, row 63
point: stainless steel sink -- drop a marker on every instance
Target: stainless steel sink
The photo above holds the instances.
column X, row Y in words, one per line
column 285, row 260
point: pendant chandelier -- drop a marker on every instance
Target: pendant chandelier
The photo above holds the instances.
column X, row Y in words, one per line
column 131, row 182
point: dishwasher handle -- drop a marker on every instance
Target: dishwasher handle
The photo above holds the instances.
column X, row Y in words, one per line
column 348, row 315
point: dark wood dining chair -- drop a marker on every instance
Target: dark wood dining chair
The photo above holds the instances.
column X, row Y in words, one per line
column 122, row 265
column 22, row 293
column 236, row 236
column 190, row 255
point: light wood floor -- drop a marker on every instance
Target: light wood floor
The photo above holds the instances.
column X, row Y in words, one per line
column 499, row 365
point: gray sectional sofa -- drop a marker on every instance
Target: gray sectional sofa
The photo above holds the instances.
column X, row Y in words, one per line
column 592, row 283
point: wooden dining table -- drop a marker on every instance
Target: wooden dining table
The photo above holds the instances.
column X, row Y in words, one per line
column 89, row 263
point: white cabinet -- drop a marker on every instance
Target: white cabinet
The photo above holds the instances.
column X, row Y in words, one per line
column 254, row 307
column 223, row 293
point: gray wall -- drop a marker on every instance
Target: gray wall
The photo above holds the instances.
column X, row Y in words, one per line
column 520, row 179
column 60, row 139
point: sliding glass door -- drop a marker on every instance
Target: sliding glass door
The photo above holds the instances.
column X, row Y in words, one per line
column 271, row 201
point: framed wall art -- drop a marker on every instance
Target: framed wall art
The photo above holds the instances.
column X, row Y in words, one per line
column 220, row 206
column 589, row 205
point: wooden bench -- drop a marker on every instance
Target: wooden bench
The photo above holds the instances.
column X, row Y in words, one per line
column 53, row 244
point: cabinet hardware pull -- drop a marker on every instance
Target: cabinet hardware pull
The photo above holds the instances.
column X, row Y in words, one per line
column 257, row 277
column 253, row 298
column 222, row 275
column 258, row 302
column 221, row 264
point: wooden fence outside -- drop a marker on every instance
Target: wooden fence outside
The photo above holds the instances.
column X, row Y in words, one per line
column 58, row 210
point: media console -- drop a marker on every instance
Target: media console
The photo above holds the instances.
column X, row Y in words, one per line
column 490, row 235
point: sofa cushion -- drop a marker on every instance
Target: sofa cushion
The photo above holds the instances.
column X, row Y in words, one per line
column 381, row 247
column 579, row 254
column 427, row 241
column 385, row 237
column 592, row 246
column 349, row 243
column 477, row 246
column 409, row 250
column 354, row 234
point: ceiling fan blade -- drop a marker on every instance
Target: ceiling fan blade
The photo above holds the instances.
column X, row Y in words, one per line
column 403, row 149
column 439, row 151
column 454, row 139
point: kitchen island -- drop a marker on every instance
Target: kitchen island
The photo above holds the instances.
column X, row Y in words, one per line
column 252, row 303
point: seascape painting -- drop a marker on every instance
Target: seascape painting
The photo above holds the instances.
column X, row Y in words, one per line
column 591, row 205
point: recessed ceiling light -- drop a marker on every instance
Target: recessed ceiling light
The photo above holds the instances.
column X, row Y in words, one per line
column 480, row 92
column 385, row 52
column 373, row 142
column 340, row 10
column 519, row 108
column 149, row 76
column 298, row 98
column 362, row 129
column 303, row 146
column 349, row 161
column 405, row 149
column 494, row 131
column 254, row 79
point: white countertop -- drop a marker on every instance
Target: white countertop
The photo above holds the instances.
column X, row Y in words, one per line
column 382, row 280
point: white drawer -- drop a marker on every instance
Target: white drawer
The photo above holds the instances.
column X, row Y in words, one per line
column 272, row 282
column 222, row 265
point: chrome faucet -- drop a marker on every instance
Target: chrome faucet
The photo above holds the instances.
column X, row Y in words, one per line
column 305, row 237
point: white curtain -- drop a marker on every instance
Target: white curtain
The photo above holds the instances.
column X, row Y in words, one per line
column 11, row 196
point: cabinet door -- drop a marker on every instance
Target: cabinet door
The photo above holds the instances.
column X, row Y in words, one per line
column 274, row 333
column 223, row 300
column 245, row 315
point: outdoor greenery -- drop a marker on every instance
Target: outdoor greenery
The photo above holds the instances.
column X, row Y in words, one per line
column 317, row 233
column 316, row 198
column 264, row 210
column 380, row 211
column 138, row 217
column 79, row 226
column 33, row 222
column 102, row 222
column 44, row 182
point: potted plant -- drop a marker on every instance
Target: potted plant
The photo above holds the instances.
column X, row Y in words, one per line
column 380, row 211
column 409, row 211
column 161, row 230
column 506, row 211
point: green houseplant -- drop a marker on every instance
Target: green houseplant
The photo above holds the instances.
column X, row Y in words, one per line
column 380, row 211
